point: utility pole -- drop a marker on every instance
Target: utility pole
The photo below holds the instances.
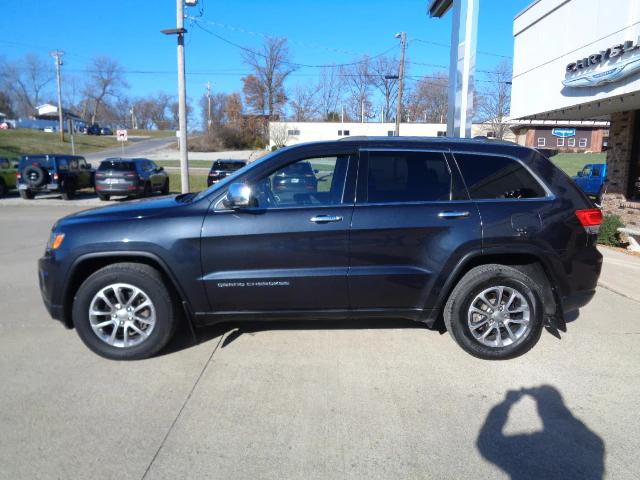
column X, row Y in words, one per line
column 403, row 43
column 182, row 94
column 208, row 85
column 56, row 54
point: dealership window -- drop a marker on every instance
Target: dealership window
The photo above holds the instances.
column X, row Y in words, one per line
column 339, row 133
column 542, row 141
column 442, row 133
column 560, row 142
column 346, row 132
column 491, row 134
column 293, row 132
column 571, row 142
column 489, row 176
column 583, row 143
column 390, row 133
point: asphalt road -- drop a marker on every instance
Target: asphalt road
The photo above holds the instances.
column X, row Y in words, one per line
column 371, row 400
column 137, row 148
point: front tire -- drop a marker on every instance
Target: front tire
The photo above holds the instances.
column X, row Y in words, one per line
column 495, row 312
column 103, row 197
column 124, row 312
column 165, row 188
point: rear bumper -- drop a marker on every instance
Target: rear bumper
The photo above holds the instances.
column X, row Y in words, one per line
column 576, row 300
column 51, row 187
column 118, row 189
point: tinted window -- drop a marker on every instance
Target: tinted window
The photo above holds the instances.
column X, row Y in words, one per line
column 119, row 166
column 489, row 176
column 408, row 177
column 229, row 166
column 62, row 163
column 40, row 161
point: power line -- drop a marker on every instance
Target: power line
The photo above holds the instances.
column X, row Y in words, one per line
column 446, row 45
column 293, row 64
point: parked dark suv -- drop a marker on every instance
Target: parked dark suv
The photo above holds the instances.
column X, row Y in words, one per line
column 130, row 176
column 222, row 169
column 489, row 236
column 53, row 173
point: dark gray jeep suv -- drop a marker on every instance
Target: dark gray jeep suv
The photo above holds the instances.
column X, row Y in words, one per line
column 490, row 237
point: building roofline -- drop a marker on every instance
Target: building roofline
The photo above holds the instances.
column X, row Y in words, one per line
column 527, row 8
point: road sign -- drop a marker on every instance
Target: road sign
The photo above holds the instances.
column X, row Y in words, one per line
column 121, row 135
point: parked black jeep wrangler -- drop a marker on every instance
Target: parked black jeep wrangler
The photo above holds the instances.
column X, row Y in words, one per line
column 53, row 173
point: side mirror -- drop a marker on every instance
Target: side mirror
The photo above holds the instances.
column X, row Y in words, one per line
column 580, row 173
column 238, row 196
column 160, row 169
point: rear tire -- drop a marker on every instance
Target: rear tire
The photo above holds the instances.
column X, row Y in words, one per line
column 27, row 194
column 492, row 331
column 3, row 188
column 68, row 193
column 147, row 190
column 103, row 197
column 165, row 188
column 151, row 285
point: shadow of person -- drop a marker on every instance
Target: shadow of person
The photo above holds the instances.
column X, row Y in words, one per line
column 564, row 449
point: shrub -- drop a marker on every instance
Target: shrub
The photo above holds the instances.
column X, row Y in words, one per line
column 608, row 234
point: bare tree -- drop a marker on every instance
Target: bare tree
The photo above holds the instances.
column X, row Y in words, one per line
column 304, row 103
column 329, row 93
column 428, row 101
column 106, row 80
column 26, row 81
column 494, row 102
column 383, row 70
column 264, row 88
column 278, row 134
column 357, row 81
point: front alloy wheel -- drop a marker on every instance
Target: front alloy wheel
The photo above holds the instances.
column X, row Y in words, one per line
column 124, row 311
column 122, row 315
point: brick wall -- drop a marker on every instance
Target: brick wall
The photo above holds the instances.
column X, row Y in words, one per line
column 619, row 160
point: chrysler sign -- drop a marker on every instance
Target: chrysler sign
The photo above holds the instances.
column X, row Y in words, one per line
column 563, row 132
column 580, row 73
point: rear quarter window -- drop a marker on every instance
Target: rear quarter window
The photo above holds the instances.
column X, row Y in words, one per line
column 495, row 177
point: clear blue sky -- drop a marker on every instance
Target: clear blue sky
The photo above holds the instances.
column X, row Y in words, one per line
column 326, row 32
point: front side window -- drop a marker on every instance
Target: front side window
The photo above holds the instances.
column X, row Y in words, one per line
column 408, row 177
column 491, row 177
column 310, row 182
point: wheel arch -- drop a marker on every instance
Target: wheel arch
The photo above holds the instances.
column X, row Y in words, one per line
column 530, row 262
column 87, row 264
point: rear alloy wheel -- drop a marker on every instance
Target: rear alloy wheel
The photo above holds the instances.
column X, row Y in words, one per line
column 495, row 312
column 124, row 312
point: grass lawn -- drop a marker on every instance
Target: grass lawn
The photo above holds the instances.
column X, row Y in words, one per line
column 572, row 162
column 192, row 163
column 14, row 143
column 151, row 133
column 197, row 183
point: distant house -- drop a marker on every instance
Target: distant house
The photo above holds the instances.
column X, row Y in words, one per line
column 562, row 135
column 47, row 117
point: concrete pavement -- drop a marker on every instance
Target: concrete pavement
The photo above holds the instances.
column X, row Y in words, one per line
column 137, row 148
column 382, row 399
column 621, row 272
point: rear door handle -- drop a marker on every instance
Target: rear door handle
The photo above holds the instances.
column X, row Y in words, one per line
column 325, row 218
column 453, row 214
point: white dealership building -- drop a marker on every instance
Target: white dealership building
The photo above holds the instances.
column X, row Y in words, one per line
column 580, row 60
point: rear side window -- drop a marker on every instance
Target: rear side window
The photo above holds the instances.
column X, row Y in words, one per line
column 491, row 177
column 408, row 177
column 230, row 166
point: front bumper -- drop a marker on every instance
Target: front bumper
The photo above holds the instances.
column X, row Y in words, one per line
column 47, row 274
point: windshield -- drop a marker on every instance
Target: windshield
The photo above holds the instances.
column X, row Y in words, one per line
column 115, row 165
column 232, row 178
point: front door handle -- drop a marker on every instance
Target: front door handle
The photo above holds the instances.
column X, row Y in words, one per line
column 325, row 218
column 453, row 214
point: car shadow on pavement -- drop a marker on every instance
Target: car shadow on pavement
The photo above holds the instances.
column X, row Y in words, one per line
column 184, row 337
column 564, row 449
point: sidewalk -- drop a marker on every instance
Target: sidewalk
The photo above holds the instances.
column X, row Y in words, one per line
column 620, row 273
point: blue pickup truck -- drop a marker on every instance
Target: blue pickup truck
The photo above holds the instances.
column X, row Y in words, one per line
column 591, row 179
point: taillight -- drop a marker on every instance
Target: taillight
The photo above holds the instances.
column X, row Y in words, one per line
column 590, row 219
column 55, row 177
column 18, row 175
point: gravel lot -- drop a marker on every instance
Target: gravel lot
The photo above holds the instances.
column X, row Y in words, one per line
column 297, row 400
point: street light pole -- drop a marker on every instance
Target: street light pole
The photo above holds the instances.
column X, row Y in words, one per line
column 182, row 93
column 56, row 54
column 403, row 44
